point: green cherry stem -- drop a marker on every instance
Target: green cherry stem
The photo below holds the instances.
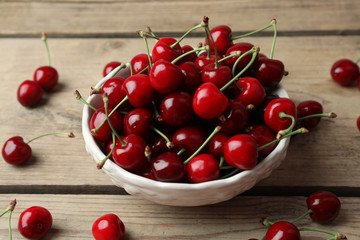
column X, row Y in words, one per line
column 169, row 143
column 274, row 39
column 148, row 29
column 357, row 61
column 335, row 235
column 298, row 131
column 69, row 134
column 102, row 162
column 189, row 52
column 266, row 222
column 231, row 173
column 253, row 32
column 226, row 167
column 329, row 115
column 157, row 115
column 80, row 98
column 142, row 34
column 221, row 162
column 131, row 69
column 238, row 60
column 185, row 34
column 123, row 65
column 216, row 130
column 213, row 42
column 9, row 209
column 285, row 131
column 236, row 54
column 98, row 90
column 302, row 216
column 254, row 51
column 44, row 39
column 181, row 151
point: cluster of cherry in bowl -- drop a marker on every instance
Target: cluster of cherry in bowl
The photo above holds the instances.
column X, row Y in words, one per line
column 196, row 115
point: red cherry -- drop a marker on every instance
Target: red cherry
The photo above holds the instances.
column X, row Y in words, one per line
column 190, row 57
column 35, row 222
column 131, row 156
column 163, row 50
column 103, row 134
column 222, row 38
column 203, row 168
column 138, row 122
column 202, row 60
column 15, row 151
column 257, row 114
column 109, row 67
column 307, row 108
column 139, row 90
column 110, row 145
column 139, row 62
column 274, row 108
column 113, row 88
column 240, row 151
column 108, row 227
column 192, row 78
column 219, row 76
column 344, row 71
column 325, row 206
column 243, row 48
column 358, row 123
column 165, row 77
column 158, row 145
column 176, row 109
column 269, row 71
column 236, row 117
column 168, row 167
column 252, row 92
column 47, row 77
column 190, row 138
column 29, row 93
column 209, row 102
column 283, row 231
column 216, row 144
column 263, row 135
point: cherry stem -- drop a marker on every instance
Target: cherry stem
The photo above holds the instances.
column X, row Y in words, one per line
column 216, row 130
column 254, row 51
column 148, row 29
column 226, row 167
column 93, row 131
column 131, row 69
column 300, row 130
column 336, row 236
column 142, row 34
column 185, row 34
column 158, row 117
column 169, row 144
column 238, row 60
column 147, row 34
column 79, row 97
column 118, row 69
column 274, row 39
column 236, row 54
column 102, row 162
column 357, row 61
column 144, row 69
column 213, row 42
column 9, row 209
column 189, row 52
column 253, row 32
column 181, row 151
column 69, row 134
column 302, row 216
column 106, row 100
column 231, row 173
column 44, row 39
column 221, row 162
column 285, row 131
column 329, row 115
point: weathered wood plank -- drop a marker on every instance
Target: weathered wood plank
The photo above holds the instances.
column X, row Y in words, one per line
column 320, row 158
column 73, row 217
column 113, row 17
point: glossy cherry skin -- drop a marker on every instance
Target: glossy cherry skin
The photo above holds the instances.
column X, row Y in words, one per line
column 35, row 222
column 306, row 108
column 113, row 88
column 131, row 157
column 263, row 135
column 104, row 133
column 252, row 92
column 243, row 47
column 236, row 118
column 109, row 67
column 190, row 138
column 325, row 206
column 344, row 71
column 219, row 76
column 222, row 37
column 29, row 93
column 158, row 144
column 162, row 50
column 269, row 71
column 273, row 109
column 139, row 62
column 358, row 123
column 47, row 77
column 192, row 78
column 138, row 122
column 202, row 60
column 139, row 90
column 190, row 57
column 108, row 227
column 240, row 151
column 209, row 102
column 216, row 144
column 257, row 114
column 283, row 231
column 168, row 167
column 176, row 109
column 203, row 168
column 15, row 151
column 165, row 77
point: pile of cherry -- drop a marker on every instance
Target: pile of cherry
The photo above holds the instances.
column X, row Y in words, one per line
column 196, row 115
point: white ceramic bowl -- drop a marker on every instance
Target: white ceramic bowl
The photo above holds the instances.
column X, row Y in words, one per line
column 180, row 194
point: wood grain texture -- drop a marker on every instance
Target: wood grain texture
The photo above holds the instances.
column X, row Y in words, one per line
column 321, row 158
column 239, row 218
column 125, row 17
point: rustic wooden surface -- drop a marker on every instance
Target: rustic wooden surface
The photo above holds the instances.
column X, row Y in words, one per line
column 84, row 35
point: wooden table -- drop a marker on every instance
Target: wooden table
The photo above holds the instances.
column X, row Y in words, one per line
column 86, row 34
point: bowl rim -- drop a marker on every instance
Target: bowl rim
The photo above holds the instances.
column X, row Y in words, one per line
column 111, row 167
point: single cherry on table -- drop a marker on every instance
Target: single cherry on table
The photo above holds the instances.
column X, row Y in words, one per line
column 35, row 222
column 345, row 71
column 108, row 227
